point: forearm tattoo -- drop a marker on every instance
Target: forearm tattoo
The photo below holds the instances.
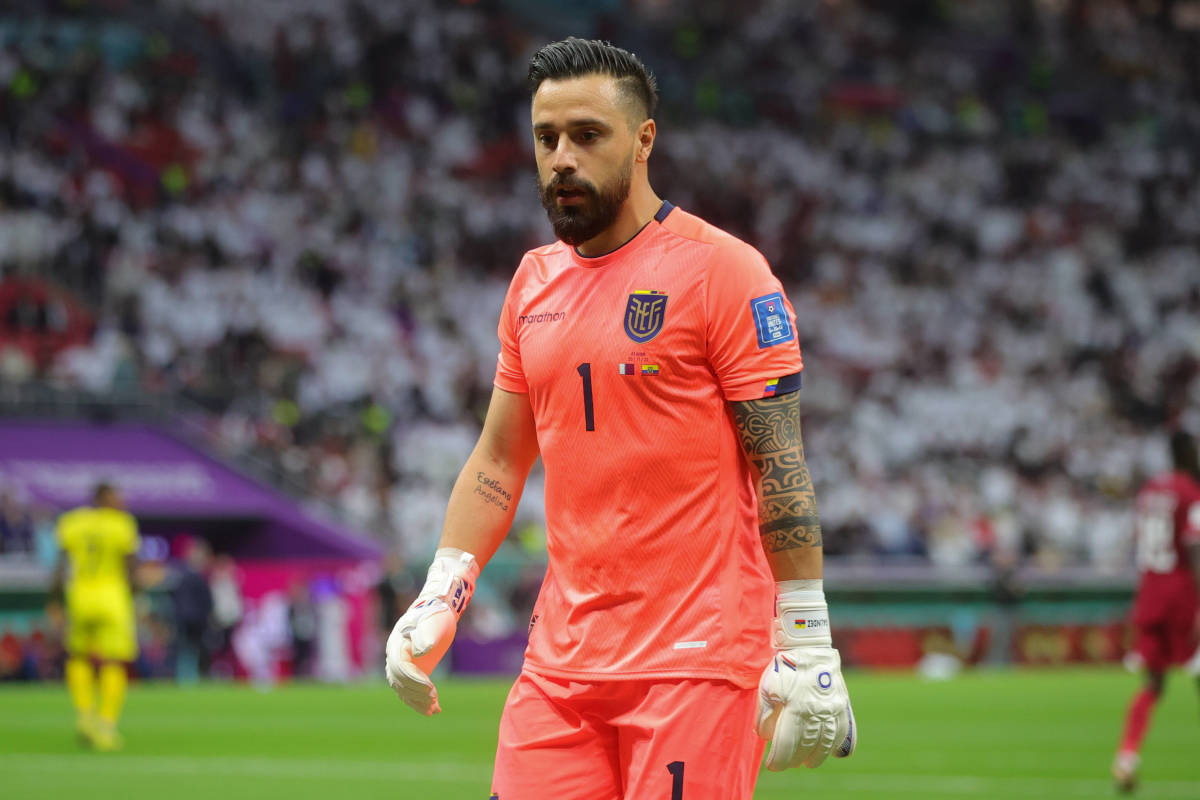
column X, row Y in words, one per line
column 769, row 430
column 492, row 491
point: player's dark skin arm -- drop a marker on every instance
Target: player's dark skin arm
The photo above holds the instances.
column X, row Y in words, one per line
column 769, row 430
column 1193, row 553
column 58, row 579
column 131, row 565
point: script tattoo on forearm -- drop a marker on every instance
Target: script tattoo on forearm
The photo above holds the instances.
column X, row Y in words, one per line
column 769, row 430
column 491, row 491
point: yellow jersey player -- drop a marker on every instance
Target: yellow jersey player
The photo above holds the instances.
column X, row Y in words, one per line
column 99, row 545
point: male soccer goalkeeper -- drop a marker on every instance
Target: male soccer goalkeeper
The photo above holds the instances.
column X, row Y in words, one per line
column 651, row 359
column 99, row 549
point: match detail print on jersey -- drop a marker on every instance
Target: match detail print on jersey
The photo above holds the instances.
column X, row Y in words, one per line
column 771, row 320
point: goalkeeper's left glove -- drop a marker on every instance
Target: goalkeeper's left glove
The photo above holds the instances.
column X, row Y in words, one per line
column 421, row 637
column 803, row 705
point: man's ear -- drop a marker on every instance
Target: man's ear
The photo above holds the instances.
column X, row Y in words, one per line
column 645, row 136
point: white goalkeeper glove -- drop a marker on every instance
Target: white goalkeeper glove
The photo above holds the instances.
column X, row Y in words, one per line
column 423, row 634
column 803, row 706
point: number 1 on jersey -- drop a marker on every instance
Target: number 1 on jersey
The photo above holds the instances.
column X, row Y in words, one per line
column 589, row 411
column 676, row 770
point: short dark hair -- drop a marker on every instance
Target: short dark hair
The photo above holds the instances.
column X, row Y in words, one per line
column 574, row 58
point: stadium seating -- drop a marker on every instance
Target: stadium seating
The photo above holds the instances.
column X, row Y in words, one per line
column 302, row 219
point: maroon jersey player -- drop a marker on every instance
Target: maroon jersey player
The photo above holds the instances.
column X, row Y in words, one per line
column 1166, row 614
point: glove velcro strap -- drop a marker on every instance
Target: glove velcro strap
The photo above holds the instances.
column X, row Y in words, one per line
column 451, row 580
column 802, row 618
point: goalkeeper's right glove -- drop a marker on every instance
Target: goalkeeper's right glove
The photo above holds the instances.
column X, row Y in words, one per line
column 423, row 634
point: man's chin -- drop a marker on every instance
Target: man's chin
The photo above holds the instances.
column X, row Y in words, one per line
column 572, row 238
column 570, row 231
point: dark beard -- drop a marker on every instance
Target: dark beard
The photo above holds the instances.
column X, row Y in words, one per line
column 575, row 225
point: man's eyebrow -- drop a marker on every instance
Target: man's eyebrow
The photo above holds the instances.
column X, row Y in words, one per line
column 582, row 122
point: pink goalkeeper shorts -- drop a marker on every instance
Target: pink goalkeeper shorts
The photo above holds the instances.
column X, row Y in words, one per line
column 674, row 739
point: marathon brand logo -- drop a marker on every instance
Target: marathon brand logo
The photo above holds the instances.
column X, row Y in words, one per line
column 644, row 314
column 545, row 316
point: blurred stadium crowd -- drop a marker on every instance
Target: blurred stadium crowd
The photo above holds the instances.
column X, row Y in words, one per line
column 302, row 216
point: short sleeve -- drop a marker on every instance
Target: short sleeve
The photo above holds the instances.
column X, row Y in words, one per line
column 510, row 376
column 751, row 328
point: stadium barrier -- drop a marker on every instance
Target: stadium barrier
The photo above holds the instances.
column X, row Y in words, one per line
column 883, row 616
column 894, row 616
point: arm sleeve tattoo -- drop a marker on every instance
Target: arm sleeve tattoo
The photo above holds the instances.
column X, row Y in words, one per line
column 769, row 430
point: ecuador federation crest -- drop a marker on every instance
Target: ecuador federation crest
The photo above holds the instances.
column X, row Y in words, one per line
column 644, row 314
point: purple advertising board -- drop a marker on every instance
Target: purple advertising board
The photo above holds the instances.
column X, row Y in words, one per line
column 160, row 476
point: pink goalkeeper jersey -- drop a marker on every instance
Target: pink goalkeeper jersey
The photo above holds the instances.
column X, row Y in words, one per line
column 629, row 360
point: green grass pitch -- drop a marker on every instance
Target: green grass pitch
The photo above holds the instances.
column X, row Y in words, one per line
column 1002, row 735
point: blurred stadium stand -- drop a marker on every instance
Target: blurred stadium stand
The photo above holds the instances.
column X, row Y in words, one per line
column 290, row 225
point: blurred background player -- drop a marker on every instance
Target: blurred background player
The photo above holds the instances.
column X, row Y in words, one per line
column 192, row 599
column 1166, row 615
column 99, row 554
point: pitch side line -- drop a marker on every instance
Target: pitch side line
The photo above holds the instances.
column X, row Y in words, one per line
column 120, row 763
column 971, row 785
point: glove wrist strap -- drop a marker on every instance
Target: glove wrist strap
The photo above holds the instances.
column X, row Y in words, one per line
column 451, row 579
column 801, row 617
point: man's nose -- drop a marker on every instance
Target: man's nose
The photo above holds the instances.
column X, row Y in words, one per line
column 564, row 161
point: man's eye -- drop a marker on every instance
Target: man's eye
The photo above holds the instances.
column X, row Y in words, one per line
column 546, row 140
column 589, row 136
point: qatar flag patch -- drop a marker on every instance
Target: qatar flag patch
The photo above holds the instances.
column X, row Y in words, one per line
column 771, row 320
